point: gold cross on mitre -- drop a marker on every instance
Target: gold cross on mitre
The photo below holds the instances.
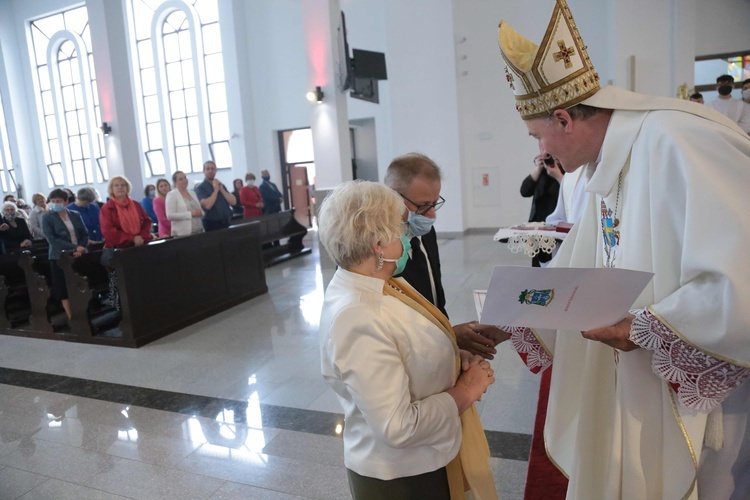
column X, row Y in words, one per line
column 564, row 54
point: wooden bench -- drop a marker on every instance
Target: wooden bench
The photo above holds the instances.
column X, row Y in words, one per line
column 15, row 307
column 276, row 227
column 87, row 282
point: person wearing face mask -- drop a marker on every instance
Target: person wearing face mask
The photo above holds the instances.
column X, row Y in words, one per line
column 147, row 202
column 407, row 390
column 250, row 197
column 735, row 109
column 14, row 231
column 417, row 179
column 746, row 91
column 64, row 230
column 272, row 197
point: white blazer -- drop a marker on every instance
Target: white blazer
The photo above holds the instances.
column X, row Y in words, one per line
column 178, row 213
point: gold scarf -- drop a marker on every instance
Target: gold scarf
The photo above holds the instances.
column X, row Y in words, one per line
column 470, row 470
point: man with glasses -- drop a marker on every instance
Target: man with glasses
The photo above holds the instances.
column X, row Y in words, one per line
column 417, row 179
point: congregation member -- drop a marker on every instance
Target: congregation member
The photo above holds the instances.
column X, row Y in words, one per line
column 149, row 193
column 215, row 200
column 250, row 197
column 655, row 406
column 183, row 208
column 417, row 179
column 86, row 206
column 124, row 224
column 736, row 110
column 408, row 392
column 35, row 215
column 237, row 208
column 160, row 208
column 14, row 231
column 20, row 212
column 272, row 197
column 71, row 196
column 65, row 231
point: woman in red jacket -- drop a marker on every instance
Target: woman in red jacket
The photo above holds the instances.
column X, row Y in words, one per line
column 124, row 224
column 250, row 197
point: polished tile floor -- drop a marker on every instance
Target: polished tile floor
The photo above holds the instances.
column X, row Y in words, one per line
column 231, row 407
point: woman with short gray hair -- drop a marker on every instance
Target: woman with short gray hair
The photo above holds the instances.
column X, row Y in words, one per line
column 86, row 206
column 408, row 392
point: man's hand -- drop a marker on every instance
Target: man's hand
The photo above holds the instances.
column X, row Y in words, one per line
column 536, row 171
column 616, row 336
column 217, row 184
column 479, row 339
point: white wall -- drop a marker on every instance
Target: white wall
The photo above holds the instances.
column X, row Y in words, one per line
column 722, row 27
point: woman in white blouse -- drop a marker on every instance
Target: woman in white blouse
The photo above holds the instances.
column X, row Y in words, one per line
column 183, row 208
column 408, row 392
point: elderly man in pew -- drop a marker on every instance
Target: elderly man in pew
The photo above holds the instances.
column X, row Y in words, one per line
column 64, row 230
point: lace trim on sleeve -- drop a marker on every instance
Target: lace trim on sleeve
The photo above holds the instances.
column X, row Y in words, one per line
column 529, row 348
column 701, row 381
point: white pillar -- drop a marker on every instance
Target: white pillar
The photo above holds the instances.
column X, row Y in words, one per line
column 109, row 26
column 329, row 119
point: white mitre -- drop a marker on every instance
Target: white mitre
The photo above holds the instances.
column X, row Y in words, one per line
column 557, row 74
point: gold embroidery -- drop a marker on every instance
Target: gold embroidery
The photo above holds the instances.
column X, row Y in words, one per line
column 564, row 54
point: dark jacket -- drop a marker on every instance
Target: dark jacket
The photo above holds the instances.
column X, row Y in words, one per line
column 58, row 236
column 417, row 274
column 544, row 192
column 12, row 238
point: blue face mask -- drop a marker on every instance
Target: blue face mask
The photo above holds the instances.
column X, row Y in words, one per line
column 56, row 207
column 419, row 225
column 401, row 261
column 266, row 178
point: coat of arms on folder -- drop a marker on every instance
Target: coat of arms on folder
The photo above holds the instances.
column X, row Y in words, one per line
column 537, row 297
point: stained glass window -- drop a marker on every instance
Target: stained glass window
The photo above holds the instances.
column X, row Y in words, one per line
column 67, row 99
column 179, row 72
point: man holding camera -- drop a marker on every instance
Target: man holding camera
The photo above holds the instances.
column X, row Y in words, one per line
column 543, row 186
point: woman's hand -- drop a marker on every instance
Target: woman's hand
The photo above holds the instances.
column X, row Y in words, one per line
column 197, row 212
column 468, row 359
column 471, row 384
column 138, row 240
column 25, row 243
column 79, row 251
column 4, row 227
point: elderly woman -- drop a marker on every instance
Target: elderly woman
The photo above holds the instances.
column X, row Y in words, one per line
column 124, row 224
column 35, row 217
column 64, row 230
column 160, row 208
column 123, row 221
column 86, row 206
column 14, row 231
column 183, row 208
column 408, row 392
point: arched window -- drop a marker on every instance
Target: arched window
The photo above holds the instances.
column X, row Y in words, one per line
column 7, row 178
column 179, row 74
column 67, row 99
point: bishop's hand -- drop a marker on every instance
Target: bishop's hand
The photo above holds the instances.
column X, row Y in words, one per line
column 617, row 335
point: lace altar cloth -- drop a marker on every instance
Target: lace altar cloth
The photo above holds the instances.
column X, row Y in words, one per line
column 530, row 238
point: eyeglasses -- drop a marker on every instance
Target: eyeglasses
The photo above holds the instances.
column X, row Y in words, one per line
column 423, row 209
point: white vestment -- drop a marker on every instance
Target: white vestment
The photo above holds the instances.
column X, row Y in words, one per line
column 682, row 177
column 736, row 110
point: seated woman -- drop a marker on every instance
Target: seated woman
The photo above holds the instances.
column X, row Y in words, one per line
column 35, row 216
column 86, row 206
column 250, row 198
column 124, row 224
column 183, row 208
column 64, row 230
column 160, row 208
column 408, row 392
column 14, row 231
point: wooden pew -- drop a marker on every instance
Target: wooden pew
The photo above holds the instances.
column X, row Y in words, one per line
column 279, row 226
column 15, row 307
column 36, row 271
column 87, row 282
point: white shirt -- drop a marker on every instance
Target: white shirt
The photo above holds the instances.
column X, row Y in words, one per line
column 737, row 110
column 390, row 367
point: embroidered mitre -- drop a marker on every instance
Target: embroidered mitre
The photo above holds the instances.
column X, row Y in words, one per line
column 557, row 74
